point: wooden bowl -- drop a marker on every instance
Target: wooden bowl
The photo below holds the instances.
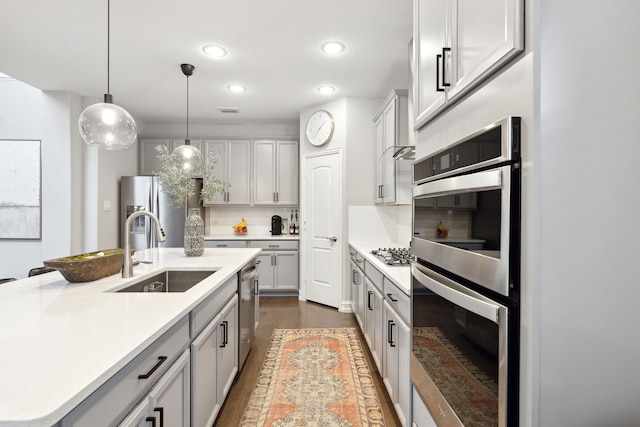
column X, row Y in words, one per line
column 90, row 266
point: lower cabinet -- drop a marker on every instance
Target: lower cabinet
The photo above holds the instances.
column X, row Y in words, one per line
column 358, row 290
column 395, row 373
column 278, row 266
column 373, row 332
column 168, row 402
column 214, row 364
column 382, row 310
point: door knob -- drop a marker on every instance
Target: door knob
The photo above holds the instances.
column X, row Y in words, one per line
column 332, row 239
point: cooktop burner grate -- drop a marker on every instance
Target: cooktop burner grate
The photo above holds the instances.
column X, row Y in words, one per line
column 393, row 256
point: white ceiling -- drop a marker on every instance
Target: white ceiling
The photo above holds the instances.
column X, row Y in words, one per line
column 273, row 45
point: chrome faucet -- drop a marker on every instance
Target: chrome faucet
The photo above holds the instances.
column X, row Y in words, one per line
column 127, row 264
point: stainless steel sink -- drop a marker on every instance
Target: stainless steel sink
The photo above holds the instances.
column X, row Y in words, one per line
column 169, row 281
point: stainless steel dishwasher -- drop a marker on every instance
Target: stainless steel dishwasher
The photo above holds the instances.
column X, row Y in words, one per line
column 248, row 306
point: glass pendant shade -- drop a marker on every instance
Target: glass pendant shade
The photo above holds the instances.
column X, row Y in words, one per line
column 188, row 157
column 106, row 125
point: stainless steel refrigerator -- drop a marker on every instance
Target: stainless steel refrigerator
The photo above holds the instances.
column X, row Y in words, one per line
column 144, row 193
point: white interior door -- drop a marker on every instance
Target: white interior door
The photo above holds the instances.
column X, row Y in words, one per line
column 323, row 228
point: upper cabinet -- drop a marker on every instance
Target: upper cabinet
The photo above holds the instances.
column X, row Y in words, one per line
column 233, row 166
column 275, row 166
column 457, row 44
column 391, row 131
column 148, row 162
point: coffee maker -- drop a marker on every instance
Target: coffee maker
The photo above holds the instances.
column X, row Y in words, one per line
column 276, row 225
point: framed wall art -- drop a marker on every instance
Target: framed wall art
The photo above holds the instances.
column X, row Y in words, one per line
column 20, row 189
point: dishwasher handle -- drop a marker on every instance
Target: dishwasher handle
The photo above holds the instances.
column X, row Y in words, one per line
column 249, row 274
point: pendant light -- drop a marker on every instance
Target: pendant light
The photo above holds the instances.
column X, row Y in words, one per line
column 107, row 125
column 188, row 157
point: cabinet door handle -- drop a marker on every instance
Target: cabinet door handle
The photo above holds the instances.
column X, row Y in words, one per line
column 225, row 336
column 161, row 360
column 390, row 333
column 275, row 260
column 256, row 286
column 353, row 277
column 444, row 62
column 221, row 246
column 438, row 61
column 160, row 410
column 151, row 420
column 391, row 298
column 369, row 293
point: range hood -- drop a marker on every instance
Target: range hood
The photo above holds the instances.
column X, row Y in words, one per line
column 402, row 152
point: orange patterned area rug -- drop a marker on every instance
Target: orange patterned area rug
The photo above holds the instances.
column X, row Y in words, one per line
column 314, row 377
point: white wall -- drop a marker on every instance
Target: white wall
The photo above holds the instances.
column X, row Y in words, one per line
column 588, row 178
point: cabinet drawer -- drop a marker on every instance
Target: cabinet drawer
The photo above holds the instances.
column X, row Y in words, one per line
column 356, row 257
column 207, row 309
column 121, row 392
column 374, row 275
column 225, row 244
column 274, row 245
column 397, row 299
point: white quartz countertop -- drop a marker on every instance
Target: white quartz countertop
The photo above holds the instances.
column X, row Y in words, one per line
column 399, row 275
column 61, row 340
column 250, row 236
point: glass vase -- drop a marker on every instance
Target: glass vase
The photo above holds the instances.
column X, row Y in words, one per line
column 194, row 234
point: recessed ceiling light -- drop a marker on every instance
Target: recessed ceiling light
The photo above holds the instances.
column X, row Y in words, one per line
column 325, row 90
column 332, row 47
column 236, row 88
column 215, row 51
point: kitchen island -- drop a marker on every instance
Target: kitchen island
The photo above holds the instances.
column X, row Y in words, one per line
column 61, row 341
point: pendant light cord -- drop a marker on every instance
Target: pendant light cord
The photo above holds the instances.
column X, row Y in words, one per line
column 187, row 142
column 108, row 41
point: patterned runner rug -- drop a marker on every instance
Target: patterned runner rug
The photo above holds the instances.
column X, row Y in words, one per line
column 314, row 377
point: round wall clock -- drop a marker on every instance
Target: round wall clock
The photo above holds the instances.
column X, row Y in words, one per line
column 320, row 128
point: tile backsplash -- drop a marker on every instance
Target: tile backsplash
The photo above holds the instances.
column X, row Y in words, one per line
column 380, row 223
column 220, row 220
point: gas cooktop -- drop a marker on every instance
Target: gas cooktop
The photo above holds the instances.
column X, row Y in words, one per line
column 393, row 256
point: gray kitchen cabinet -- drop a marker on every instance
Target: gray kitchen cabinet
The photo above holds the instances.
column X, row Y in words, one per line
column 275, row 171
column 457, row 45
column 373, row 332
column 233, row 166
column 278, row 266
column 391, row 129
column 148, row 162
column 168, row 402
column 358, row 288
column 214, row 356
column 385, row 326
column 397, row 351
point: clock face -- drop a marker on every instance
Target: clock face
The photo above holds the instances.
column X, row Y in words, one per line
column 320, row 128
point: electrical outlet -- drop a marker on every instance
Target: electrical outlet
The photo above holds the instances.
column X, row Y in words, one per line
column 107, row 205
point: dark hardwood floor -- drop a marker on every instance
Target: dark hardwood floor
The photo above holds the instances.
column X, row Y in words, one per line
column 289, row 313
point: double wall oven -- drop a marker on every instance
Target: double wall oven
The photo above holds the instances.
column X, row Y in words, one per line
column 466, row 281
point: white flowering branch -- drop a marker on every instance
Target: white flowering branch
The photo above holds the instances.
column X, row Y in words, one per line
column 180, row 185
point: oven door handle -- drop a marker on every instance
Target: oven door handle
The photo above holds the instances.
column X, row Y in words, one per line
column 437, row 284
column 479, row 181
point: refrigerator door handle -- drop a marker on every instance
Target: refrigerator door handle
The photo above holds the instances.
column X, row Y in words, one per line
column 154, row 206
